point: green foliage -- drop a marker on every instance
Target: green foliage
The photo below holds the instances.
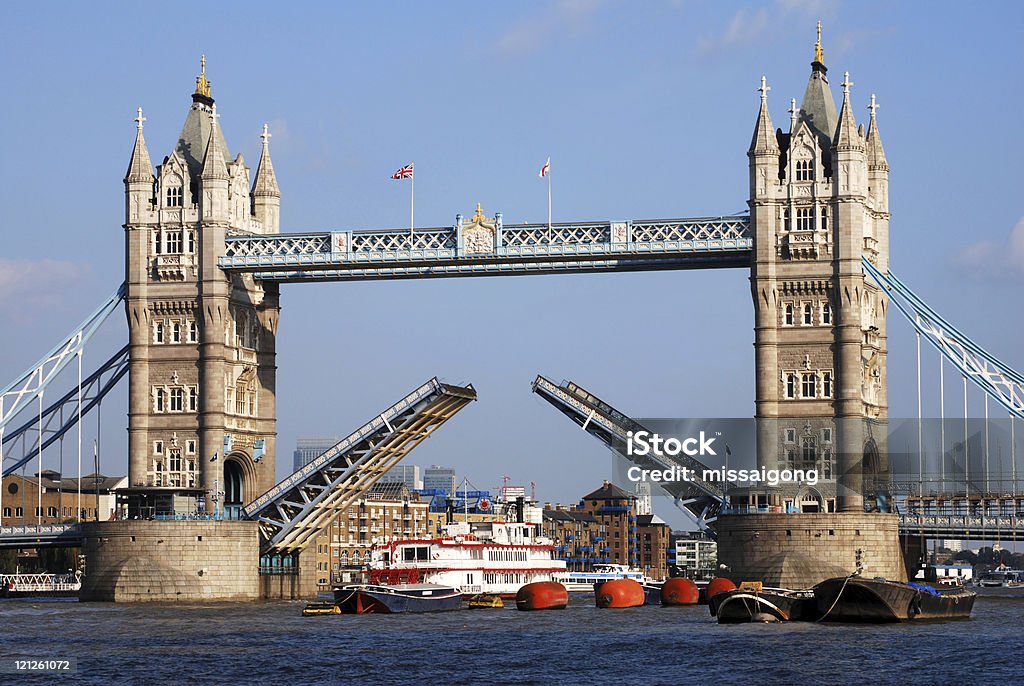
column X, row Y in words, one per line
column 8, row 561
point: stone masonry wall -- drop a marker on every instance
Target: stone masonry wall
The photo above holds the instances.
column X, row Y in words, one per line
column 187, row 561
column 799, row 550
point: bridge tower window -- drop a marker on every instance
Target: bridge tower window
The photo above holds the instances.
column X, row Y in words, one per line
column 173, row 242
column 805, row 219
column 809, row 386
column 826, row 313
column 193, row 404
column 158, row 332
column 805, row 170
column 826, row 388
column 176, row 332
column 791, row 386
column 175, row 196
column 787, row 318
column 193, row 331
column 808, row 314
column 177, row 399
column 160, row 400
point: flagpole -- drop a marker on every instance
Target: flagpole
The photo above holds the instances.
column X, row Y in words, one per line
column 549, row 203
column 412, row 204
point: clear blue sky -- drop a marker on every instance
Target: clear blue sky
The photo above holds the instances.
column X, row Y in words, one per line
column 646, row 110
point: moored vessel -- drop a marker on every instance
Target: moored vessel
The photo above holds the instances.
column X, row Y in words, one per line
column 485, row 601
column 586, row 582
column 494, row 558
column 1001, row 582
column 372, row 598
column 855, row 599
column 751, row 602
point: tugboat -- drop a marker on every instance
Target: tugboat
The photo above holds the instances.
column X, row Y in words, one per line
column 854, row 599
column 362, row 599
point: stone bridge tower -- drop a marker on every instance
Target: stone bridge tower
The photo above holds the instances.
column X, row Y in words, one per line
column 818, row 204
column 201, row 417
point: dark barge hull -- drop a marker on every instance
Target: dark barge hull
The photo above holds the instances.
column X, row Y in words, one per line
column 854, row 599
column 734, row 607
column 369, row 599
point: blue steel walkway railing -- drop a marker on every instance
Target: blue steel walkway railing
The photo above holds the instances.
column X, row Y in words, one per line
column 487, row 247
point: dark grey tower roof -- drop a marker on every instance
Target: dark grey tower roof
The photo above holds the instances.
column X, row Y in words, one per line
column 818, row 108
column 195, row 134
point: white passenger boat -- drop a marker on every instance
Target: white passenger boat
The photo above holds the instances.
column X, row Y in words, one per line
column 493, row 557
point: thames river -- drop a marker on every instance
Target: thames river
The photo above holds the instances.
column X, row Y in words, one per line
column 271, row 643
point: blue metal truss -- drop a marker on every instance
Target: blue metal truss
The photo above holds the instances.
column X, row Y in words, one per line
column 997, row 379
column 516, row 249
column 293, row 512
column 699, row 499
column 22, row 445
column 35, row 380
column 67, row 535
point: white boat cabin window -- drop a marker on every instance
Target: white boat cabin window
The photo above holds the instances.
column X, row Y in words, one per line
column 419, row 553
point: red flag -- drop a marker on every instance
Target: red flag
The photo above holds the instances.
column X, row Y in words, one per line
column 546, row 169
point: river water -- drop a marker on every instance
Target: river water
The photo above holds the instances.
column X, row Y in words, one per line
column 271, row 643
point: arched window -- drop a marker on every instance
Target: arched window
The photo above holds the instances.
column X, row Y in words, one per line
column 787, row 318
column 808, row 449
column 177, row 399
column 176, row 332
column 826, row 313
column 193, row 331
column 791, row 385
column 160, row 401
column 805, row 170
column 808, row 314
column 158, row 332
column 826, row 384
column 193, row 399
column 174, row 195
column 809, row 385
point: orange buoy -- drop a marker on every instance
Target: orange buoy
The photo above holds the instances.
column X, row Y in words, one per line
column 679, row 591
column 718, row 585
column 620, row 593
column 542, row 595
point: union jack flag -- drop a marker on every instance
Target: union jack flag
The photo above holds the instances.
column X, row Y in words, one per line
column 403, row 173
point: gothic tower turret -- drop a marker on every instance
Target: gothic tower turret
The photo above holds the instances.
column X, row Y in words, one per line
column 203, row 343
column 819, row 326
column 266, row 196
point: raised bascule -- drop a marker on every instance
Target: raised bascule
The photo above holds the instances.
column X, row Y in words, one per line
column 205, row 259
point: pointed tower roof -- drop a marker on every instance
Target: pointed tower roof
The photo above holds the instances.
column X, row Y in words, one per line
column 818, row 108
column 265, row 183
column 764, row 131
column 214, row 166
column 195, row 133
column 876, row 154
column 847, row 136
column 140, row 168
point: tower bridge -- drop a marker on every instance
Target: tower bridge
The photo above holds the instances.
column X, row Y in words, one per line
column 205, row 259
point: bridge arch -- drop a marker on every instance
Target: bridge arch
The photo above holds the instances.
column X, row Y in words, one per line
column 239, row 478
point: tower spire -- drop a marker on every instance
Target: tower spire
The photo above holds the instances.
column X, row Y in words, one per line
column 846, row 133
column 764, row 131
column 265, row 183
column 876, row 154
column 819, row 54
column 140, row 169
column 214, row 166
